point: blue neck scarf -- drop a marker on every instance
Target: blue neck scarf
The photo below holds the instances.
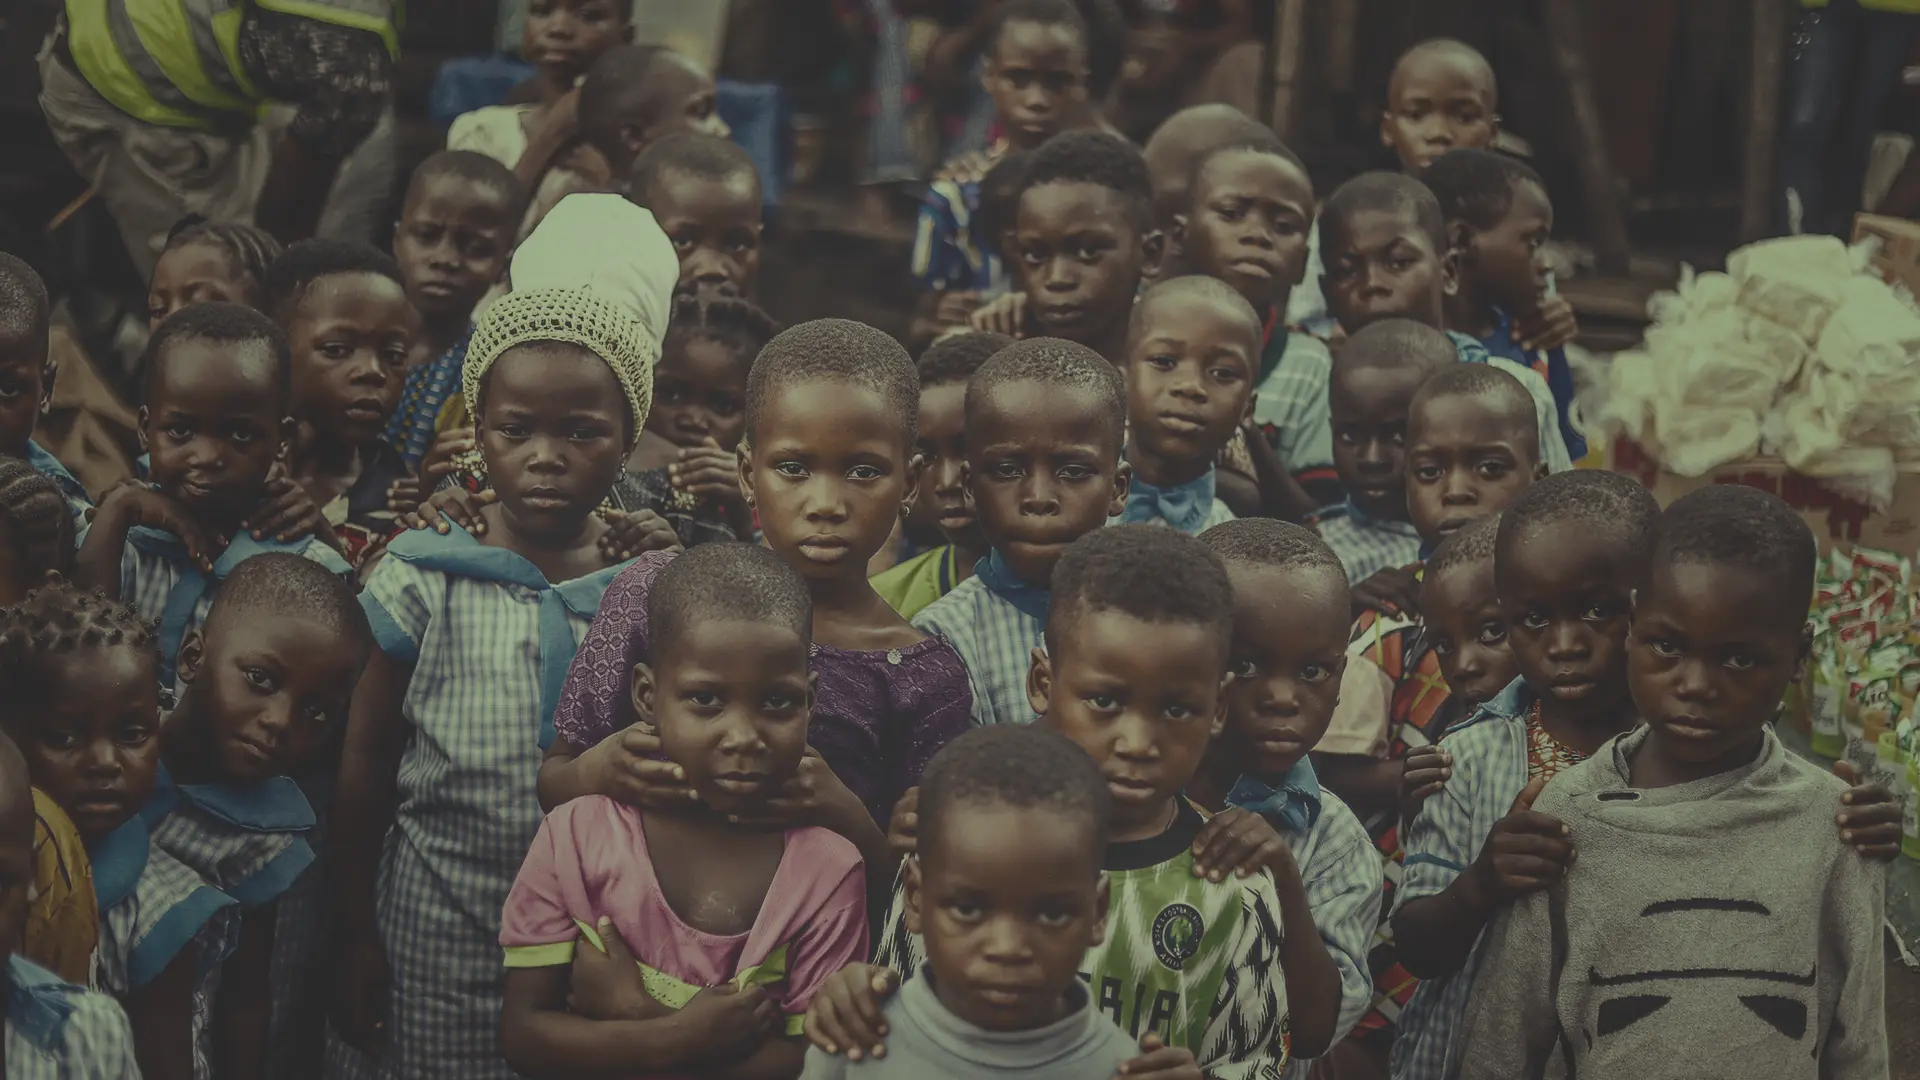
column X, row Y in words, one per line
column 998, row 577
column 194, row 585
column 1183, row 506
column 38, row 1003
column 1294, row 802
column 458, row 553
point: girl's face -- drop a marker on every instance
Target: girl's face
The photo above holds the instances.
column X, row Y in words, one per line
column 554, row 431
column 699, row 393
column 195, row 273
column 827, row 471
column 92, row 734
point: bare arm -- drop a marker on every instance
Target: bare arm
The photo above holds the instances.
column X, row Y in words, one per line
column 563, row 778
column 244, row 1012
column 1313, row 979
column 543, row 1040
column 295, row 191
column 161, row 1015
column 364, row 802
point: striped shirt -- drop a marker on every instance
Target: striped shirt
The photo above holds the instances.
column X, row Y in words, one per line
column 466, row 811
column 1195, row 960
column 59, row 1031
column 995, row 641
column 1364, row 545
column 1489, row 771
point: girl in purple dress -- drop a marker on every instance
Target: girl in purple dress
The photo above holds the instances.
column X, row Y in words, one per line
column 831, row 408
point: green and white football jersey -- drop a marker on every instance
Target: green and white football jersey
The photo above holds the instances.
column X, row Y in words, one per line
column 1196, row 961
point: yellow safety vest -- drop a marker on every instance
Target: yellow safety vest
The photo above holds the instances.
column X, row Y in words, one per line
column 176, row 63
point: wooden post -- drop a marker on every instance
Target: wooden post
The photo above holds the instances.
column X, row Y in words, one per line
column 1763, row 119
column 1343, row 27
column 1561, row 21
column 1289, row 44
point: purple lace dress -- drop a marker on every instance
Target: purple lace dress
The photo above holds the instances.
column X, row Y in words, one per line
column 878, row 717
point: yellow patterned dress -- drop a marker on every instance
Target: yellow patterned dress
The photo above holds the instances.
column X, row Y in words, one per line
column 63, row 918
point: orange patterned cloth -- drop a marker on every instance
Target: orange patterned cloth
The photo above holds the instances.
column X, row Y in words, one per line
column 63, row 918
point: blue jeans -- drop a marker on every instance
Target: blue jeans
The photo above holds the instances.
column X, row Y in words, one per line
column 1844, row 61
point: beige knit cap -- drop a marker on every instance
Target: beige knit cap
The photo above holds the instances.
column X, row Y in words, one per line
column 596, row 272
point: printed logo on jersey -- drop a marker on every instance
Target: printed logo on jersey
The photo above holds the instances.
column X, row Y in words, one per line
column 1177, row 931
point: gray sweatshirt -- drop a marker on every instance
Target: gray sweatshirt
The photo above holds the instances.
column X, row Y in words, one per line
column 925, row 1040
column 1712, row 929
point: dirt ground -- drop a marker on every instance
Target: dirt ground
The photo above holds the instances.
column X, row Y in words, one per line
column 1903, row 1020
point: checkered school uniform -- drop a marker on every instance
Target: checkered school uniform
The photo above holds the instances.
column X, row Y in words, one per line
column 163, row 586
column 1338, row 873
column 152, row 906
column 1489, row 771
column 302, row 918
column 1364, row 545
column 489, row 640
column 1290, row 405
column 253, row 843
column 59, row 1031
column 995, row 640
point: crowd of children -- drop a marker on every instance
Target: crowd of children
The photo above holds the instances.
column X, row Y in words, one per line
column 489, row 685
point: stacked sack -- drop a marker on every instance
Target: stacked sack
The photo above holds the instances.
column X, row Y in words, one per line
column 1863, row 701
column 1797, row 350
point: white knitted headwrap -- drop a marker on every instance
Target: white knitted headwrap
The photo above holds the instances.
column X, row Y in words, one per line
column 596, row 272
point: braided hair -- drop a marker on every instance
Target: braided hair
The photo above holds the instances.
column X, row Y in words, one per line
column 60, row 617
column 251, row 249
column 737, row 324
column 35, row 517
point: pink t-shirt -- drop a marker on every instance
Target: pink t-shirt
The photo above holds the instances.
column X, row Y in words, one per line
column 590, row 859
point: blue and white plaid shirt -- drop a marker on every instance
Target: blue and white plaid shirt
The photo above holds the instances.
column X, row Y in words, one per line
column 1290, row 405
column 1365, row 546
column 1489, row 771
column 1340, row 871
column 995, row 640
column 59, row 1031
column 78, row 501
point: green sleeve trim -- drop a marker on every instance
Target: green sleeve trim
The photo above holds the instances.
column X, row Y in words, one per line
column 539, row 956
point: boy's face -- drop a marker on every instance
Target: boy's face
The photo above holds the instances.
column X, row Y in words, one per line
column 1008, row 904
column 1142, row 698
column 214, row 423
column 195, row 273
column 1381, row 264
column 715, row 229
column 563, row 37
column 1711, row 653
column 680, row 99
column 26, row 384
column 1037, row 76
column 1247, row 224
column 270, row 688
column 699, row 394
column 1510, row 259
column 1467, row 457
column 95, row 745
column 1190, row 368
column 1043, row 466
column 1290, row 629
column 1566, row 593
column 827, row 469
column 1079, row 259
column 1368, row 404
column 1468, row 632
column 944, row 507
column 1438, row 101
column 452, row 244
column 730, row 699
column 351, row 335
